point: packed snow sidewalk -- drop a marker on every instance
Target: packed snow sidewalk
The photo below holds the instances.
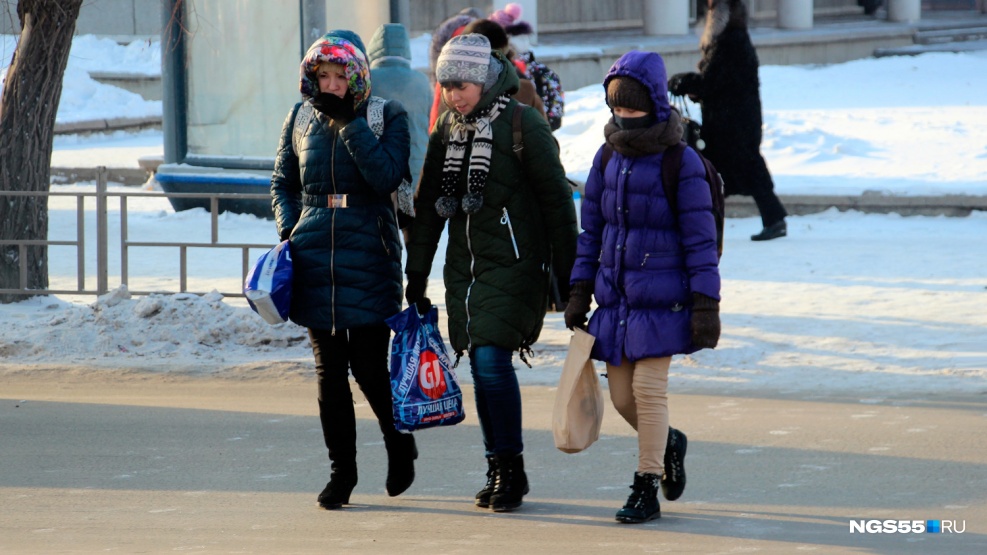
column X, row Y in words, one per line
column 99, row 461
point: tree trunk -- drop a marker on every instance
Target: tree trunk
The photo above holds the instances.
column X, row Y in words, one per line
column 31, row 92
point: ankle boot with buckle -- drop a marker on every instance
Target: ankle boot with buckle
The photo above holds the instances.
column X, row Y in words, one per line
column 511, row 483
column 401, row 455
column 483, row 496
column 642, row 505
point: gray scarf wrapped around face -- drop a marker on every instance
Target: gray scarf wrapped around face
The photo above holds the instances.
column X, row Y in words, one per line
column 650, row 140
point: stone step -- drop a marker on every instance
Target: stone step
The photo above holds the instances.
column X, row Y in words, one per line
column 916, row 49
column 148, row 86
column 957, row 34
column 868, row 202
column 108, row 124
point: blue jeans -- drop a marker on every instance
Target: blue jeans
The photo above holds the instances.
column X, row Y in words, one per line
column 498, row 399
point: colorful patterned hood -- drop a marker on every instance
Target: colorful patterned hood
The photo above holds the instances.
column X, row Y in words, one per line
column 338, row 47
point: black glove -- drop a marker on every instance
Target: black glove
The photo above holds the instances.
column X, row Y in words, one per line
column 578, row 307
column 415, row 292
column 340, row 110
column 682, row 84
column 285, row 233
column 705, row 322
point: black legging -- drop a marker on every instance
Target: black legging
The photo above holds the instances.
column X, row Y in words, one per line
column 364, row 351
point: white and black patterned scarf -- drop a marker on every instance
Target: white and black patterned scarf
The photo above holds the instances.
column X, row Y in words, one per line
column 481, row 123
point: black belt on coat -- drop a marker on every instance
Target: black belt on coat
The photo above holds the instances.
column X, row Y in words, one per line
column 342, row 201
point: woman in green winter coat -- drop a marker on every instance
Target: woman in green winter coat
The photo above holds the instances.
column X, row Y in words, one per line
column 331, row 188
column 511, row 219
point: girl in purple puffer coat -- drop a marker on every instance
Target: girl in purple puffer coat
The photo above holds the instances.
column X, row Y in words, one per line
column 652, row 271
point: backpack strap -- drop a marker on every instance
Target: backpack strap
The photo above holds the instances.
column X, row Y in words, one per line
column 375, row 115
column 605, row 158
column 518, row 134
column 303, row 117
column 404, row 197
column 671, row 166
column 445, row 122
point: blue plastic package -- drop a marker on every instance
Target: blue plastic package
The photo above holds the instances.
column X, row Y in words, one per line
column 268, row 284
column 425, row 390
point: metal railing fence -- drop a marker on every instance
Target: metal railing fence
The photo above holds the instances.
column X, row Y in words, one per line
column 102, row 245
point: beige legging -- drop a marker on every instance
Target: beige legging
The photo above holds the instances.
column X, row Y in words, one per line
column 639, row 391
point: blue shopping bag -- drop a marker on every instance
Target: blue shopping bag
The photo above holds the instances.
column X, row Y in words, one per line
column 425, row 390
column 268, row 284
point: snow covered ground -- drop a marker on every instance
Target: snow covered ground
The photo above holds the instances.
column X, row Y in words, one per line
column 863, row 303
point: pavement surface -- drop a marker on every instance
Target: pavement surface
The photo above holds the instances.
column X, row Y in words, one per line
column 110, row 461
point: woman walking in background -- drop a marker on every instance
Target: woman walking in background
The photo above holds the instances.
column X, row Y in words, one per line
column 729, row 93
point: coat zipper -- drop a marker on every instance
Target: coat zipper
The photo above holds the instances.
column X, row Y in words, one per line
column 507, row 220
column 469, row 247
column 380, row 232
column 332, row 235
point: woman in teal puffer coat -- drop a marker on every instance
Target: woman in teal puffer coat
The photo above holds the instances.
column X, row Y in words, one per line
column 511, row 219
column 331, row 189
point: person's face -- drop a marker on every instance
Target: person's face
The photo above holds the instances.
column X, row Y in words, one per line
column 332, row 79
column 627, row 112
column 461, row 97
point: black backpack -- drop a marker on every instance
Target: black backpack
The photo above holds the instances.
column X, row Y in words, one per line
column 671, row 163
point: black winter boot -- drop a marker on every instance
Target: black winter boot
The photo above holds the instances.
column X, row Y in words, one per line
column 511, row 483
column 673, row 480
column 642, row 505
column 337, row 491
column 401, row 455
column 483, row 496
column 773, row 231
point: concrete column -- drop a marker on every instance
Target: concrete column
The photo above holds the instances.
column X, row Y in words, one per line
column 666, row 17
column 795, row 14
column 904, row 11
column 529, row 13
column 401, row 12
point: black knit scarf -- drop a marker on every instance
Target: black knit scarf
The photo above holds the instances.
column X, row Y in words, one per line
column 481, row 124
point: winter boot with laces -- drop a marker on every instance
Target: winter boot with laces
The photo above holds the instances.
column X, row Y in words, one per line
column 642, row 505
column 483, row 496
column 511, row 483
column 673, row 480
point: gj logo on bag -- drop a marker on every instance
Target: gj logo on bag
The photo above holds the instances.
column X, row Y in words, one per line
column 424, row 388
column 268, row 284
column 430, row 376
